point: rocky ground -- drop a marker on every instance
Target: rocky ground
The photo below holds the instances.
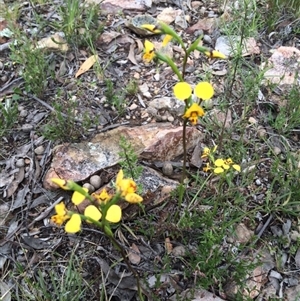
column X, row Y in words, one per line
column 63, row 116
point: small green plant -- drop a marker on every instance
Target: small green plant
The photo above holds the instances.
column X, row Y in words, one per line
column 288, row 117
column 129, row 160
column 79, row 22
column 8, row 116
column 113, row 98
column 132, row 88
column 33, row 62
column 66, row 121
column 47, row 284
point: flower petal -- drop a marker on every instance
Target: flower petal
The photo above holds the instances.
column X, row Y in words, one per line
column 77, row 197
column 215, row 54
column 133, row 198
column 219, row 162
column 74, row 224
column 59, row 219
column 114, row 214
column 166, row 40
column 60, row 209
column 182, row 90
column 204, row 90
column 237, row 167
column 218, row 170
column 194, row 110
column 92, row 212
column 61, row 183
column 151, row 27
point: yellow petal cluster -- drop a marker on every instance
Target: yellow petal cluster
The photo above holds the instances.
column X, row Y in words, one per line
column 193, row 113
column 149, row 52
column 127, row 188
column 215, row 54
column 203, row 90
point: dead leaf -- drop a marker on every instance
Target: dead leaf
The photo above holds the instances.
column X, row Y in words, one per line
column 87, row 65
column 140, row 45
column 54, row 42
column 168, row 245
column 131, row 55
column 133, row 254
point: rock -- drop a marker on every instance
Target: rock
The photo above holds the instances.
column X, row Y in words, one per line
column 252, row 120
column 96, row 181
column 27, row 127
column 23, row 113
column 243, row 233
column 172, row 105
column 283, row 66
column 20, row 162
column 39, row 150
column 117, row 6
column 219, row 117
column 276, row 150
column 261, row 132
column 169, row 14
column 207, row 39
column 178, row 251
column 229, row 44
column 167, row 169
column 90, row 187
column 155, row 142
column 292, row 293
column 206, row 24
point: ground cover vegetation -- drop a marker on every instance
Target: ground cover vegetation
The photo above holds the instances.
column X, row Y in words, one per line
column 247, row 178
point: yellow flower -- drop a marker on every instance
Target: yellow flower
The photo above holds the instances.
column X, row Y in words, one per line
column 74, row 224
column 193, row 112
column 103, row 197
column 61, row 183
column 77, row 197
column 182, row 90
column 149, row 51
column 151, row 27
column 166, row 40
column 204, row 90
column 207, row 167
column 127, row 188
column 61, row 214
column 215, row 54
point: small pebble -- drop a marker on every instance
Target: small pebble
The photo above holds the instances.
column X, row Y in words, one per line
column 258, row 182
column 133, row 107
column 252, row 120
column 4, row 78
column 23, row 113
column 167, row 169
column 276, row 150
column 170, row 118
column 157, row 77
column 39, row 150
column 96, row 181
column 164, row 118
column 207, row 39
column 20, row 163
column 27, row 127
column 90, row 187
column 275, row 274
column 295, row 235
column 179, row 251
column 1, row 65
column 261, row 132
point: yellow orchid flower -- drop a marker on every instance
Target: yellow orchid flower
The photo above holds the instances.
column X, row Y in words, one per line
column 151, row 27
column 127, row 188
column 149, row 51
column 193, row 113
